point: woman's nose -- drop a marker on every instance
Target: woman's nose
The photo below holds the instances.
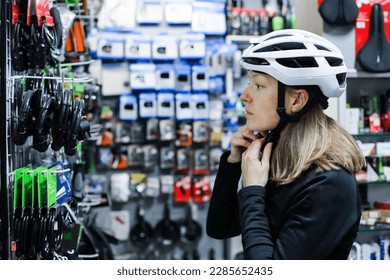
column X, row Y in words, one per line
column 245, row 96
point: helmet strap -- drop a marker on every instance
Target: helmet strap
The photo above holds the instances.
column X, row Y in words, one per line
column 273, row 135
column 284, row 117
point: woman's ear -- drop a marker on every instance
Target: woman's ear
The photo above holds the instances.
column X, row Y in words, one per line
column 299, row 99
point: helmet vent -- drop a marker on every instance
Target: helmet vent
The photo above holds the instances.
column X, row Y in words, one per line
column 298, row 62
column 278, row 36
column 334, row 61
column 282, row 47
column 322, row 48
column 255, row 61
column 341, row 78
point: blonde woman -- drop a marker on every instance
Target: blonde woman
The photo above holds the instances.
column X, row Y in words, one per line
column 297, row 197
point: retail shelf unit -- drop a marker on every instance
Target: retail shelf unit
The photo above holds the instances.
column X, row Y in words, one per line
column 11, row 155
column 361, row 83
column 5, row 128
column 374, row 190
column 371, row 84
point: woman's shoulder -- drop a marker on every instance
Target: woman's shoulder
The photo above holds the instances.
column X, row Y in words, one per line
column 340, row 178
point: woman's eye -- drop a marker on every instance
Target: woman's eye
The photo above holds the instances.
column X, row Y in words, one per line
column 257, row 86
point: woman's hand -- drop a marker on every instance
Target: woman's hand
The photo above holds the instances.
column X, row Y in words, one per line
column 255, row 171
column 239, row 143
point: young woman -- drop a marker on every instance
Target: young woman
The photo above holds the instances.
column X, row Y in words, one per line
column 297, row 198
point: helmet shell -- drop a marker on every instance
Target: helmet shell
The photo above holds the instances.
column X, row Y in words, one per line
column 298, row 58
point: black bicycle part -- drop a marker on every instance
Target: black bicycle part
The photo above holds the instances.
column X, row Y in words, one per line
column 339, row 12
column 141, row 234
column 78, row 181
column 167, row 231
column 19, row 45
column 374, row 55
column 61, row 119
column 70, row 213
column 54, row 12
column 41, row 137
column 28, row 114
column 190, row 229
column 78, row 128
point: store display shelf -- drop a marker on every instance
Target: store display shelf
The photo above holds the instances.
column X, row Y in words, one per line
column 354, row 73
column 374, row 228
column 239, row 38
column 379, row 134
column 374, row 183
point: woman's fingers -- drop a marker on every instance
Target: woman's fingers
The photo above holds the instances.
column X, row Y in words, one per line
column 254, row 149
column 254, row 170
column 240, row 142
column 248, row 135
column 267, row 154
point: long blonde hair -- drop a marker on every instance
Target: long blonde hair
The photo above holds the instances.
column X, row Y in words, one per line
column 315, row 138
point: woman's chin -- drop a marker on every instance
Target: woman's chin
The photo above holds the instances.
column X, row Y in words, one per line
column 250, row 126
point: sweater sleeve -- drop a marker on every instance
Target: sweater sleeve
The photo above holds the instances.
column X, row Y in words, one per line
column 222, row 217
column 256, row 236
column 317, row 220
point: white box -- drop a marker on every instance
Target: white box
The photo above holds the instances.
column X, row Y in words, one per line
column 165, row 47
column 138, row 47
column 149, row 12
column 368, row 149
column 111, row 46
column 165, row 77
column 183, row 106
column 165, row 105
column 178, row 12
column 143, row 76
column 192, row 46
column 352, row 120
column 200, row 78
column 200, row 105
column 383, row 149
column 118, row 72
column 147, row 105
column 128, row 107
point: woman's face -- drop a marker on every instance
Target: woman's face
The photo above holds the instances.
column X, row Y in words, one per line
column 260, row 98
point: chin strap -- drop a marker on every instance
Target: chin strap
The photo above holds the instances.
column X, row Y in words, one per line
column 273, row 135
column 284, row 117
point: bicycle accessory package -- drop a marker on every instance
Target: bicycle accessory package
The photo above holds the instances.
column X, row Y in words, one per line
column 41, row 137
column 28, row 114
column 339, row 12
column 374, row 55
column 61, row 119
column 78, row 128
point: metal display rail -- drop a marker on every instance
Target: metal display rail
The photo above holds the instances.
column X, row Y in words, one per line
column 5, row 131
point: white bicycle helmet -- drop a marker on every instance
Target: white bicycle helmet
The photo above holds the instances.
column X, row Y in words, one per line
column 298, row 58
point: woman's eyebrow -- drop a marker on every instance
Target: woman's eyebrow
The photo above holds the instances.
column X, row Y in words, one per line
column 259, row 77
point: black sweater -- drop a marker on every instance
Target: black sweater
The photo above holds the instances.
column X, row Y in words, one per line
column 315, row 217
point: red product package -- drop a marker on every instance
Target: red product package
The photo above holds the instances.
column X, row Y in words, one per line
column 362, row 25
column 42, row 10
column 182, row 189
column 201, row 189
